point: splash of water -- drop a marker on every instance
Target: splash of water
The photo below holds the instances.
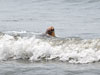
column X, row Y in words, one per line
column 72, row 50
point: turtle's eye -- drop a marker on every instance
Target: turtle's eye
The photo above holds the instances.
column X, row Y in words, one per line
column 52, row 29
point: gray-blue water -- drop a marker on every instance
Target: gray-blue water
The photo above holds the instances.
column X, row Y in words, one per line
column 71, row 18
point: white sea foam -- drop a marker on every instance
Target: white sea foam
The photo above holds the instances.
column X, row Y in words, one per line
column 72, row 50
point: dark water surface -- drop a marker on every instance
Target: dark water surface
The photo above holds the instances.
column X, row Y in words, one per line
column 69, row 17
column 53, row 68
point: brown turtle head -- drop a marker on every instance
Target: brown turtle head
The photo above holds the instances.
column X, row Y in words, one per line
column 50, row 31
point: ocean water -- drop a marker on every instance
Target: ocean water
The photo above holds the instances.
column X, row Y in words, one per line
column 24, row 50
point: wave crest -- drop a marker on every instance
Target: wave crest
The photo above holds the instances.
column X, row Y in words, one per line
column 72, row 50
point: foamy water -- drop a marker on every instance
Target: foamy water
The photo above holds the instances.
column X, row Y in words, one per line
column 39, row 48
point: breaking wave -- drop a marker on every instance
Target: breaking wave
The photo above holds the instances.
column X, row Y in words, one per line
column 25, row 45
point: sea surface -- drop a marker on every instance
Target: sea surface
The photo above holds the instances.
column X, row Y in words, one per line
column 25, row 50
